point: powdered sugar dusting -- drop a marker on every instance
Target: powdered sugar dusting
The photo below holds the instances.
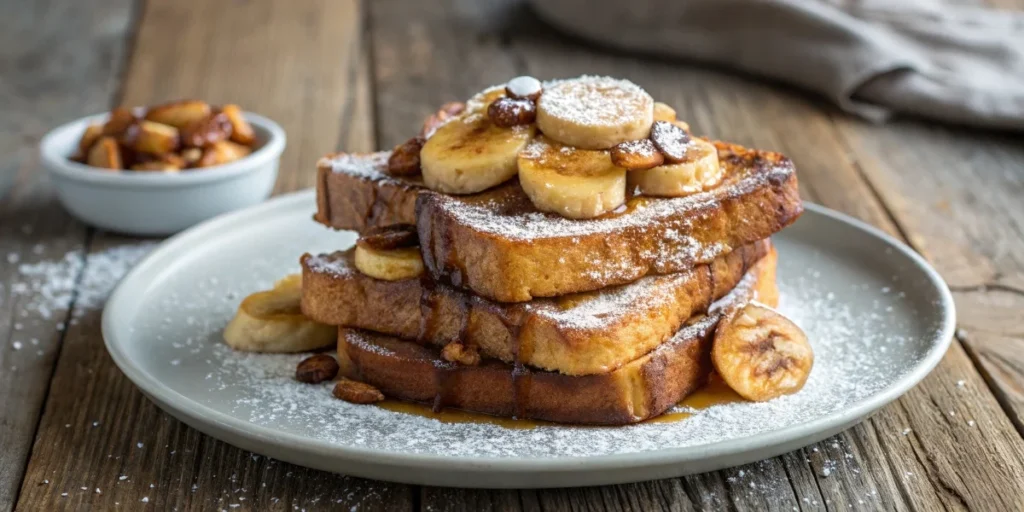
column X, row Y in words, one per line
column 595, row 101
column 364, row 165
column 50, row 285
column 834, row 298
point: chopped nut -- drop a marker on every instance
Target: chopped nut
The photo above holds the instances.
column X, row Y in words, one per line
column 386, row 238
column 671, row 140
column 105, row 154
column 524, row 87
column 241, row 130
column 405, row 159
column 179, row 114
column 91, row 134
column 636, row 155
column 357, row 392
column 208, row 131
column 442, row 116
column 151, row 137
column 316, row 369
column 191, row 156
column 458, row 352
column 120, row 119
column 508, row 112
column 221, row 153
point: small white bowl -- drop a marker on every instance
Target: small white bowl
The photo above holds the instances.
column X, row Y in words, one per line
column 155, row 203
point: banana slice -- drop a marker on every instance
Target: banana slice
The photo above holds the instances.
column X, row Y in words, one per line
column 390, row 253
column 574, row 183
column 594, row 112
column 698, row 171
column 271, row 321
column 663, row 112
column 471, row 154
column 761, row 354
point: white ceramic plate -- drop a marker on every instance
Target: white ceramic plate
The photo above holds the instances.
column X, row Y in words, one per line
column 878, row 316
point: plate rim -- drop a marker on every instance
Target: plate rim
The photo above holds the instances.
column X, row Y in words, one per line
column 181, row 406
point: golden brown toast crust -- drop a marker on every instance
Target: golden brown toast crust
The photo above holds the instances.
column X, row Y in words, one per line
column 498, row 245
column 641, row 389
column 580, row 334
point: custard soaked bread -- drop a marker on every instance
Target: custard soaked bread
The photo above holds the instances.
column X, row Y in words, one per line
column 499, row 246
column 578, row 334
column 640, row 389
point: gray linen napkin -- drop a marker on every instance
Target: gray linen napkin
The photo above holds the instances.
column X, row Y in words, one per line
column 928, row 58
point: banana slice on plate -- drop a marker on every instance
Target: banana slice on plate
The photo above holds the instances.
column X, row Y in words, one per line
column 594, row 112
column 574, row 183
column 471, row 154
column 761, row 354
column 697, row 170
column 271, row 321
column 390, row 253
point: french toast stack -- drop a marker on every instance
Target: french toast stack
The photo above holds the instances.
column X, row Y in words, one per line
column 564, row 251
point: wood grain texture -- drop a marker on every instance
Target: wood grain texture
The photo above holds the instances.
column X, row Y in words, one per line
column 60, row 60
column 302, row 64
column 872, row 466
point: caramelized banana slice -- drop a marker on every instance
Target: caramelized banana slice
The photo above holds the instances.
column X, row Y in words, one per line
column 471, row 154
column 271, row 321
column 761, row 354
column 574, row 183
column 390, row 253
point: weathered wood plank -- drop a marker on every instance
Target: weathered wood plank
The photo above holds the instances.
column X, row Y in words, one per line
column 304, row 65
column 957, row 193
column 871, row 466
column 60, row 61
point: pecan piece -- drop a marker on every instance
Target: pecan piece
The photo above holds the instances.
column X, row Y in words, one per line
column 636, row 155
column 671, row 140
column 357, row 392
column 317, row 369
column 508, row 112
column 386, row 238
column 405, row 159
column 458, row 352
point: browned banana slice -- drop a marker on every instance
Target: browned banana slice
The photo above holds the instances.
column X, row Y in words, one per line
column 761, row 354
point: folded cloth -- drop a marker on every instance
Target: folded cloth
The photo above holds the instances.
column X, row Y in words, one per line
column 928, row 58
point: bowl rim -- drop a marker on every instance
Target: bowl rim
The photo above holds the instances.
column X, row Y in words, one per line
column 58, row 163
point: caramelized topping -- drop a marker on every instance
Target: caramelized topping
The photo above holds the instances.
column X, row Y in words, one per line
column 357, row 392
column 405, row 159
column 671, row 140
column 386, row 238
column 637, row 155
column 317, row 369
column 508, row 112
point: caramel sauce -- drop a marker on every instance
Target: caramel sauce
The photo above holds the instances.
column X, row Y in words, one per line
column 715, row 392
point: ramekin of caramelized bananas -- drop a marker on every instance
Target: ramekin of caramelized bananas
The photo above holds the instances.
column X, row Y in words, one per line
column 161, row 169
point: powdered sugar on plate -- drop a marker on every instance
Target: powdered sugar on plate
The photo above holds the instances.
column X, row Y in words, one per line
column 833, row 297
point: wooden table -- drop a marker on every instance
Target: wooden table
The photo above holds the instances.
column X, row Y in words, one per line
column 343, row 74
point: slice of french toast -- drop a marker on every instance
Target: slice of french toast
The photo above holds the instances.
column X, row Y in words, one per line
column 498, row 245
column 643, row 388
column 578, row 334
